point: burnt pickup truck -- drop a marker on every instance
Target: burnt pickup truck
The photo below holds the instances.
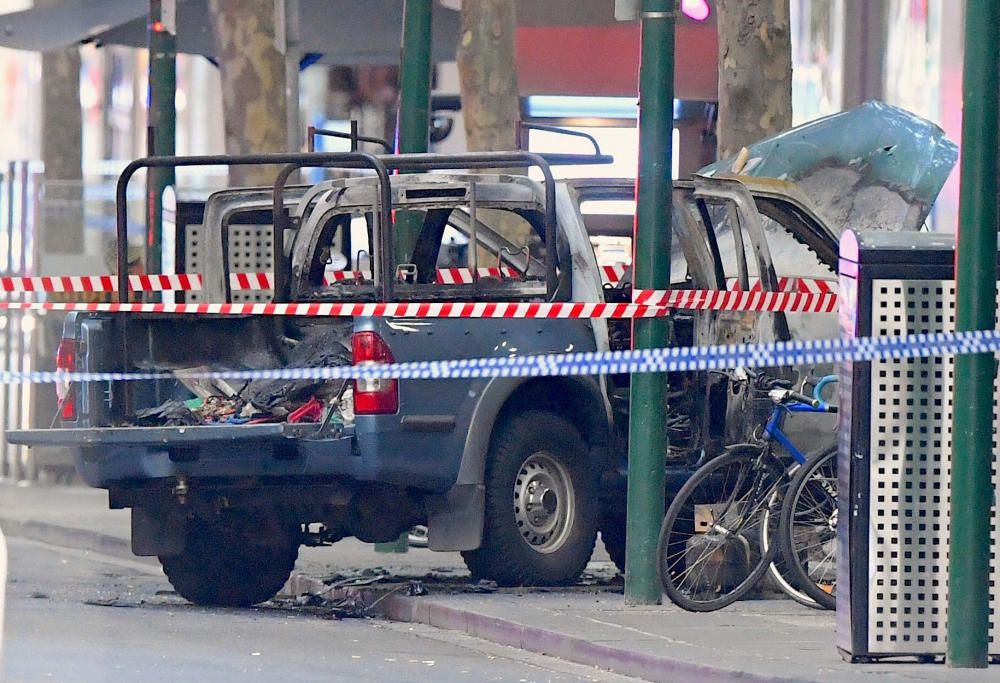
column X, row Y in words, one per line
column 226, row 479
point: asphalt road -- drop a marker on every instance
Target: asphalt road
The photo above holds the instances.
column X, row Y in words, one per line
column 80, row 617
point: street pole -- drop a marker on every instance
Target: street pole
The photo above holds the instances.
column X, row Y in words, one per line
column 976, row 275
column 162, row 119
column 413, row 121
column 412, row 136
column 651, row 261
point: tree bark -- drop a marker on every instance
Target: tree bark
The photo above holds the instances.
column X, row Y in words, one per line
column 488, row 74
column 755, row 71
column 491, row 105
column 253, row 84
column 62, row 150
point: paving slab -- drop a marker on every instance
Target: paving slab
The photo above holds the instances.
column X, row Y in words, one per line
column 759, row 640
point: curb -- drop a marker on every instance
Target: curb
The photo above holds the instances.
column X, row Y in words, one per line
column 78, row 539
column 423, row 610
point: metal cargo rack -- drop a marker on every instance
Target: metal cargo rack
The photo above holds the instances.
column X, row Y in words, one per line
column 381, row 165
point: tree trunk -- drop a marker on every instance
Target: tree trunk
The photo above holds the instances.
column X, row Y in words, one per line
column 62, row 152
column 488, row 74
column 755, row 71
column 253, row 84
column 491, row 105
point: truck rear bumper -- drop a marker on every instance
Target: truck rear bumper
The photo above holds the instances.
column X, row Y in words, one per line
column 108, row 456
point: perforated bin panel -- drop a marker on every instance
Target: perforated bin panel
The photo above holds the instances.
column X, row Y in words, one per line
column 250, row 251
column 910, row 474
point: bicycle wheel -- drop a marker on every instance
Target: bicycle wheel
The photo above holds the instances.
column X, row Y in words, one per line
column 809, row 529
column 710, row 552
column 778, row 569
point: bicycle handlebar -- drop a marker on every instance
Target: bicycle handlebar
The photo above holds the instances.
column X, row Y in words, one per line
column 823, row 383
column 780, row 393
column 805, row 400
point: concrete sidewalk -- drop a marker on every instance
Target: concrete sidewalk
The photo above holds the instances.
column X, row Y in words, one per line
column 764, row 640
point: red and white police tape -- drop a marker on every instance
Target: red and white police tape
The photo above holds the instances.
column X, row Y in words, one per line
column 797, row 295
column 463, row 276
column 104, row 283
column 394, row 310
column 613, row 274
column 193, row 281
column 728, row 300
column 257, row 281
column 185, row 282
column 649, row 304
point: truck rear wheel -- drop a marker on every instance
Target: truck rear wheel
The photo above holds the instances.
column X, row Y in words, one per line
column 613, row 536
column 222, row 568
column 541, row 504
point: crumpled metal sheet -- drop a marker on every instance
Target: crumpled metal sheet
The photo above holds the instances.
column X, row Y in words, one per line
column 873, row 167
column 327, row 346
column 170, row 413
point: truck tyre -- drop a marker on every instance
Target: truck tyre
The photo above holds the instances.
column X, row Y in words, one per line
column 221, row 568
column 613, row 536
column 541, row 504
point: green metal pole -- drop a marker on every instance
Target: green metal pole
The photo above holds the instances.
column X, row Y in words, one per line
column 412, row 136
column 976, row 274
column 162, row 119
column 412, row 130
column 651, row 258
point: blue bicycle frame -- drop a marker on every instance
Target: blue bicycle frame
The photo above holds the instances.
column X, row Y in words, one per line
column 773, row 427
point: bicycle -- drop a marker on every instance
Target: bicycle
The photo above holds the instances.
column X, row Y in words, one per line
column 807, row 540
column 714, row 542
column 781, row 569
column 808, row 529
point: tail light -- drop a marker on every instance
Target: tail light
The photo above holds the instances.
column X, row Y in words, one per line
column 66, row 361
column 373, row 396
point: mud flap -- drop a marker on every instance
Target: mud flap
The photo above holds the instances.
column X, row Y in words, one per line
column 456, row 518
column 156, row 532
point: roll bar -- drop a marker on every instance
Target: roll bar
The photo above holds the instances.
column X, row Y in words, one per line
column 352, row 159
column 353, row 136
column 381, row 164
column 563, row 159
column 420, row 162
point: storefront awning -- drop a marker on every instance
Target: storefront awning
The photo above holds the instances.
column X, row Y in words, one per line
column 563, row 46
column 344, row 32
column 57, row 26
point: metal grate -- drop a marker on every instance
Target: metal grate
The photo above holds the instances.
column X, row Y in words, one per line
column 250, row 251
column 910, row 472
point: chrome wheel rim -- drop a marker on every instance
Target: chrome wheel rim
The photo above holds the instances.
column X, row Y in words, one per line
column 544, row 502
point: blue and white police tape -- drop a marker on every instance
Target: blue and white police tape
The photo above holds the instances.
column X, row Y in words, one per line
column 591, row 363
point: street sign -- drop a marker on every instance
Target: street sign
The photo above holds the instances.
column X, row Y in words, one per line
column 627, row 10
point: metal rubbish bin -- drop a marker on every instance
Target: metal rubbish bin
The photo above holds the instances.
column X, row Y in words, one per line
column 895, row 452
